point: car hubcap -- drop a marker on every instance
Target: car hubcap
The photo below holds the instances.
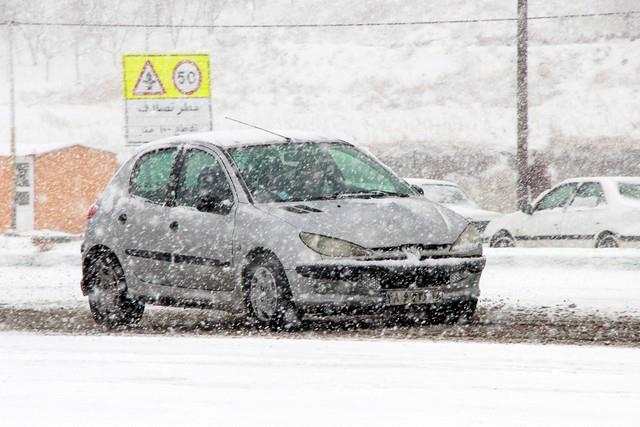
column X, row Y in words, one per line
column 263, row 294
column 504, row 243
column 608, row 242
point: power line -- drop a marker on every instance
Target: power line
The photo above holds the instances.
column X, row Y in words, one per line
column 330, row 25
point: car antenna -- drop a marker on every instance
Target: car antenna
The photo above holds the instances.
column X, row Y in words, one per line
column 286, row 138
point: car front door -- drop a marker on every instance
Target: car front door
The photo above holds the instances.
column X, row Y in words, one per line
column 202, row 220
column 584, row 216
column 542, row 227
column 142, row 219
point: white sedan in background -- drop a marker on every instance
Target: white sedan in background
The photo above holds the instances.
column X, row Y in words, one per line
column 453, row 197
column 583, row 212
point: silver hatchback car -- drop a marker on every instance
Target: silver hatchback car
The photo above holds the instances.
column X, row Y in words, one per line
column 273, row 228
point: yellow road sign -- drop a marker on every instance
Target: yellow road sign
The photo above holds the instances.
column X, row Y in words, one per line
column 166, row 76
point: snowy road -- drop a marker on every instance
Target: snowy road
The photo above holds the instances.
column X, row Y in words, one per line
column 150, row 380
column 586, row 281
column 528, row 295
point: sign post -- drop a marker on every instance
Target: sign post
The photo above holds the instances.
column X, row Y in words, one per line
column 166, row 95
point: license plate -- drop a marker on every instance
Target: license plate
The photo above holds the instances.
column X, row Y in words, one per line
column 409, row 297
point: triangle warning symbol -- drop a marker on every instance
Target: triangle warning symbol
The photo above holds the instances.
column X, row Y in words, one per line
column 148, row 83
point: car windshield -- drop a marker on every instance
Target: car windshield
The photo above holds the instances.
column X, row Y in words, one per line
column 446, row 194
column 314, row 171
column 629, row 190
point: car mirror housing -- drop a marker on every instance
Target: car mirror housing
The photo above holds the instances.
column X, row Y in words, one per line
column 418, row 189
column 528, row 209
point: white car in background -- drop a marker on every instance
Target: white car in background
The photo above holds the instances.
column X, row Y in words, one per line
column 452, row 197
column 583, row 212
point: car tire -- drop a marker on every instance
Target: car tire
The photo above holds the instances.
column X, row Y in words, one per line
column 107, row 291
column 607, row 240
column 502, row 239
column 268, row 296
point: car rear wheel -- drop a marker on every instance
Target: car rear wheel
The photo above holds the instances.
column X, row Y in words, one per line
column 108, row 300
column 502, row 239
column 268, row 296
column 607, row 241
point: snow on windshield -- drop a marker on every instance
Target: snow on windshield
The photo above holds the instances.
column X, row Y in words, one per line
column 313, row 171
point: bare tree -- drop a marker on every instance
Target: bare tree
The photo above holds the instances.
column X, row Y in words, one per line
column 114, row 39
column 83, row 40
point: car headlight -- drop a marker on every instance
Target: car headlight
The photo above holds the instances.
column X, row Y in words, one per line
column 329, row 246
column 469, row 241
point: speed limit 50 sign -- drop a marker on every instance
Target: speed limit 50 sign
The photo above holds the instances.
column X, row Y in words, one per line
column 166, row 95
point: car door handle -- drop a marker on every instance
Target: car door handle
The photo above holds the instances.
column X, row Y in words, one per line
column 174, row 225
column 122, row 218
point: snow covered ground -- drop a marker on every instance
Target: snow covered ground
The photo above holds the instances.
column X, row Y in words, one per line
column 581, row 280
column 151, row 380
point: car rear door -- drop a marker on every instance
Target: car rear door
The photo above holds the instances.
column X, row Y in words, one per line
column 584, row 216
column 201, row 236
column 142, row 219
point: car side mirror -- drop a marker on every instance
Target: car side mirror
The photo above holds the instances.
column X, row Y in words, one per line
column 418, row 189
column 212, row 203
column 528, row 209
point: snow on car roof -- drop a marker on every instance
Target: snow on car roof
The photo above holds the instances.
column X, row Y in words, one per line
column 424, row 181
column 234, row 138
column 604, row 179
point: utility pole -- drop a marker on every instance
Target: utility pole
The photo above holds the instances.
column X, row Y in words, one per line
column 12, row 126
column 523, row 109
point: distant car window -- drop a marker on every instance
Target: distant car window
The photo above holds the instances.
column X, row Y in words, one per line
column 558, row 197
column 151, row 175
column 447, row 194
column 589, row 195
column 201, row 174
column 629, row 190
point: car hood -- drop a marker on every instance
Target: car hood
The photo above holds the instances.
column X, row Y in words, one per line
column 472, row 213
column 374, row 223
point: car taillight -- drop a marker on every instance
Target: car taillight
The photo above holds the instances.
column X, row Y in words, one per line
column 93, row 210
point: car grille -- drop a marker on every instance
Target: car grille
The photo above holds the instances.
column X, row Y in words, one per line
column 421, row 252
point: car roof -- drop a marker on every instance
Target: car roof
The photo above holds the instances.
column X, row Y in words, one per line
column 603, row 179
column 424, row 181
column 236, row 138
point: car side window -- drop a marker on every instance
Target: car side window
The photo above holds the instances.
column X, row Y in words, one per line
column 557, row 198
column 152, row 174
column 201, row 175
column 589, row 195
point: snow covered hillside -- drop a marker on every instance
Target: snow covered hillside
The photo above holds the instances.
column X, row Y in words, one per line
column 451, row 85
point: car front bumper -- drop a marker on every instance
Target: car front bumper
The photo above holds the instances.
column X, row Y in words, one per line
column 362, row 286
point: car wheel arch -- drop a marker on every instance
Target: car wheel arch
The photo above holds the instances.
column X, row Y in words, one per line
column 603, row 234
column 501, row 233
column 92, row 254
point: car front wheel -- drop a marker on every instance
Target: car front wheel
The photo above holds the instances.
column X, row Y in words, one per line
column 268, row 296
column 502, row 239
column 108, row 300
column 607, row 241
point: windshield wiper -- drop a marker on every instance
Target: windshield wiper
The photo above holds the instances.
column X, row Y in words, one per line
column 368, row 194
